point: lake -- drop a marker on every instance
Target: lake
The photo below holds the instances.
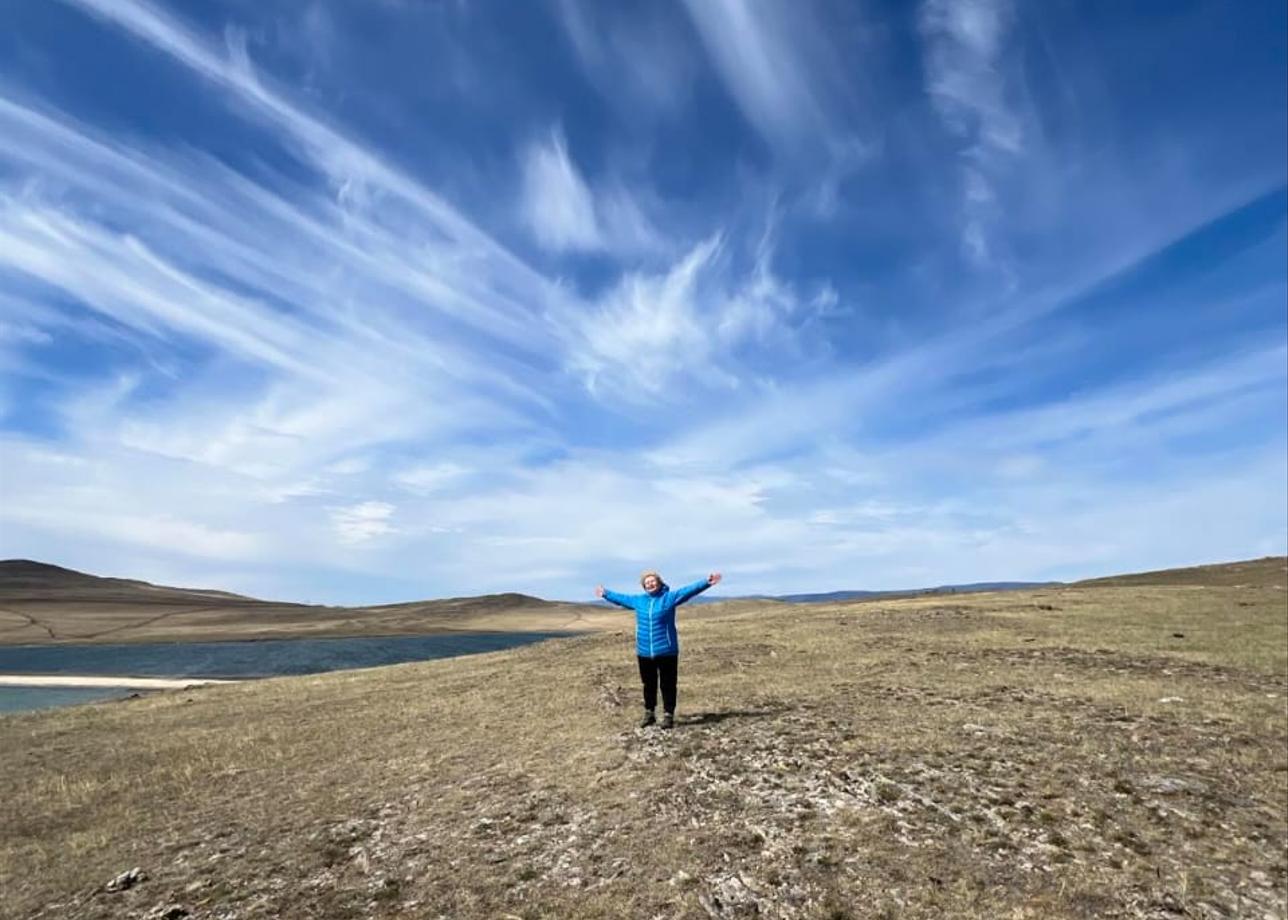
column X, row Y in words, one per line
column 265, row 658
column 20, row 699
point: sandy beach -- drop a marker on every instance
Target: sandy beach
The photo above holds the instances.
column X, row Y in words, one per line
column 82, row 680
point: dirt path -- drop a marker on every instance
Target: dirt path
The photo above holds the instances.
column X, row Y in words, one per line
column 148, row 621
column 31, row 621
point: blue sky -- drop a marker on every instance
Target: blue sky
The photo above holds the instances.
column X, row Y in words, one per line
column 370, row 302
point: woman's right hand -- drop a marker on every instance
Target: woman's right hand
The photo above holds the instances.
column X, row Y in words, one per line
column 599, row 590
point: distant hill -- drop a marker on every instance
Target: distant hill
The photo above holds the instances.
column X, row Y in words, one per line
column 1269, row 570
column 23, row 579
column 41, row 603
column 942, row 589
column 860, row 595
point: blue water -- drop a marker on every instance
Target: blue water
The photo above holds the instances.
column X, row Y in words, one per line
column 267, row 658
column 21, row 699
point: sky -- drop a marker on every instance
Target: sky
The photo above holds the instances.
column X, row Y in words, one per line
column 367, row 302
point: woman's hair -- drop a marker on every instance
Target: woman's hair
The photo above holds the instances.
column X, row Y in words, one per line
column 646, row 573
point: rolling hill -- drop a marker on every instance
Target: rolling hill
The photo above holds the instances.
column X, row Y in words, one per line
column 42, row 603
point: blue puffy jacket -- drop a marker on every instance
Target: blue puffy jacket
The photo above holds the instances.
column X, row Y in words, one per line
column 655, row 617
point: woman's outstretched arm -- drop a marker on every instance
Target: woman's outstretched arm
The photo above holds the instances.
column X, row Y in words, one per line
column 691, row 591
column 621, row 600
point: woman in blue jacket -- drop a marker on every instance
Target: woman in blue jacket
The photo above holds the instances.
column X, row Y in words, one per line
column 657, row 647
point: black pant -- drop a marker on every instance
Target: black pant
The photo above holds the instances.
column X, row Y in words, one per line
column 666, row 667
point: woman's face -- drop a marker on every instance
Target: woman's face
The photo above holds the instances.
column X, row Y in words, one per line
column 651, row 583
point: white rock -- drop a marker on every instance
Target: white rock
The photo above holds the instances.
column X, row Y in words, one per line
column 127, row 879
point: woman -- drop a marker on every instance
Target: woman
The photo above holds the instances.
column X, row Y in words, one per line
column 657, row 647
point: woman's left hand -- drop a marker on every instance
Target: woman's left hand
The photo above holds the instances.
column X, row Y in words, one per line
column 714, row 578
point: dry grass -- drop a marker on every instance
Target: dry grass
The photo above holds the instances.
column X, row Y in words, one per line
column 1057, row 753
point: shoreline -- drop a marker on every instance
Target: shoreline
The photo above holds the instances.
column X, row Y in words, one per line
column 118, row 683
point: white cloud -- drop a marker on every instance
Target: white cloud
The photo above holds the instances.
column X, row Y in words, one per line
column 648, row 330
column 556, row 204
column 23, row 334
column 778, row 62
column 638, row 60
column 1020, row 466
column 163, row 532
column 121, row 277
column 812, row 104
column 65, row 496
column 349, row 466
column 1113, row 414
column 430, row 478
column 794, row 526
column 486, row 285
column 565, row 214
column 774, row 63
column 277, row 493
column 1022, row 495
column 653, row 336
column 964, row 40
column 329, row 338
column 363, row 522
column 627, row 227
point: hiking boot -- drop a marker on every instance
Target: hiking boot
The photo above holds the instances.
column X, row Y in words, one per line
column 668, row 720
column 648, row 719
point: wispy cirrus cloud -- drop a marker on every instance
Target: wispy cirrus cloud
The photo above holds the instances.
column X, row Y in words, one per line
column 354, row 170
column 640, row 61
column 317, row 365
column 564, row 213
column 964, row 43
column 811, row 107
column 557, row 205
column 350, row 321
column 429, row 478
column 965, row 39
column 778, row 67
column 653, row 336
column 358, row 331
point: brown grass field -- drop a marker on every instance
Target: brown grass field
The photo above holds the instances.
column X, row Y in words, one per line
column 1110, row 749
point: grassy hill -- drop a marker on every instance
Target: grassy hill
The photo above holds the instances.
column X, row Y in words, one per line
column 42, row 603
column 1108, row 750
column 1268, row 571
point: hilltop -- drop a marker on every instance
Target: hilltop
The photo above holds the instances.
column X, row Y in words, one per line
column 1070, row 752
